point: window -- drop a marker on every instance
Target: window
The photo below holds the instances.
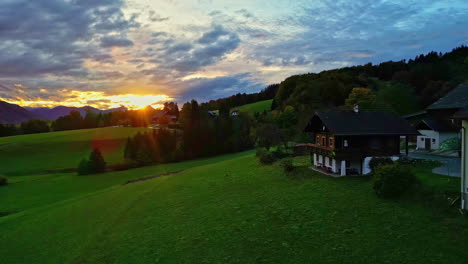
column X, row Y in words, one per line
column 422, row 139
column 345, row 143
column 433, row 141
column 331, row 142
column 323, row 141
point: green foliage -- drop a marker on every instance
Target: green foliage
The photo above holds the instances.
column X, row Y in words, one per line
column 267, row 135
column 379, row 161
column 363, row 97
column 34, row 126
column 450, row 144
column 287, row 164
column 95, row 164
column 397, row 97
column 391, row 181
column 3, row 180
column 265, row 157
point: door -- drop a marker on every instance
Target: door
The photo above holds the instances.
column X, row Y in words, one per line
column 428, row 144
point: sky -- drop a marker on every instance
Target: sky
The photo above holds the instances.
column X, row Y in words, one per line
column 106, row 53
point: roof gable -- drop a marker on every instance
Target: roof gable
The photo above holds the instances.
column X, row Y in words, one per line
column 437, row 125
column 343, row 123
column 456, row 99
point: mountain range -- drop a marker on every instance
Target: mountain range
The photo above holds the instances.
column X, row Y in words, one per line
column 14, row 114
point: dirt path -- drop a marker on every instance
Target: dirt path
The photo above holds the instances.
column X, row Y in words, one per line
column 152, row 177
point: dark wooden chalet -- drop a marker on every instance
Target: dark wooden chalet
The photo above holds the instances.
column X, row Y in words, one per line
column 345, row 141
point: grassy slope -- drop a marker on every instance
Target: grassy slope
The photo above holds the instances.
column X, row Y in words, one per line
column 221, row 212
column 38, row 153
column 255, row 107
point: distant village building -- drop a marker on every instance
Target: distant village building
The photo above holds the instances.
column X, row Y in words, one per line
column 433, row 132
column 162, row 117
column 344, row 142
column 235, row 112
column 212, row 113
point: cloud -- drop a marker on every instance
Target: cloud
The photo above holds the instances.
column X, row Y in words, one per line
column 155, row 17
column 54, row 37
column 112, row 41
column 204, row 89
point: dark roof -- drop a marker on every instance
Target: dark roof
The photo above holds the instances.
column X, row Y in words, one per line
column 462, row 114
column 457, row 98
column 415, row 115
column 347, row 123
column 438, row 125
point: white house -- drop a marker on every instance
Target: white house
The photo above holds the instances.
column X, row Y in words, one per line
column 433, row 132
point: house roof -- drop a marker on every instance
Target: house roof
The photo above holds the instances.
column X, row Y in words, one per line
column 159, row 114
column 462, row 114
column 437, row 125
column 457, row 98
column 349, row 123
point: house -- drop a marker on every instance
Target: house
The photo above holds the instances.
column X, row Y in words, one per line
column 235, row 112
column 345, row 141
column 213, row 114
column 454, row 106
column 433, row 132
column 463, row 115
column 163, row 117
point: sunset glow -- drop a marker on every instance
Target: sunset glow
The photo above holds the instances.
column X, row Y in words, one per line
column 97, row 99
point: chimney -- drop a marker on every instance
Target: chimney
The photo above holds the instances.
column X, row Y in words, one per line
column 356, row 108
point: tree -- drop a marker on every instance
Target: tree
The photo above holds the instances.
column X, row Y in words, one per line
column 363, row 97
column 268, row 135
column 34, row 126
column 95, row 164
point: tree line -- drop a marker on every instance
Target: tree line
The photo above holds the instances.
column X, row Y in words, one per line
column 200, row 135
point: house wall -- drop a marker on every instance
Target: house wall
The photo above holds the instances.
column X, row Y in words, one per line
column 464, row 167
column 421, row 140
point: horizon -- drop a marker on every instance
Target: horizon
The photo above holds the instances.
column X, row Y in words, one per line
column 105, row 54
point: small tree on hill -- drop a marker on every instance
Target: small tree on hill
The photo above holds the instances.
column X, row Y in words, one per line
column 95, row 163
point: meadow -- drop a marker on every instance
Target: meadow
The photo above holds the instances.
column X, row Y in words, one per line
column 226, row 209
column 61, row 151
column 256, row 107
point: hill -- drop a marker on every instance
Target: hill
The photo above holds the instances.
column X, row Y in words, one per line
column 215, row 211
column 58, row 151
column 255, row 107
column 399, row 86
column 58, row 111
column 14, row 114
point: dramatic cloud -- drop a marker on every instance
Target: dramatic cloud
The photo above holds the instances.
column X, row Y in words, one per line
column 204, row 49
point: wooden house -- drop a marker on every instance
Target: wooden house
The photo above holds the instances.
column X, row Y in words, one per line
column 345, row 141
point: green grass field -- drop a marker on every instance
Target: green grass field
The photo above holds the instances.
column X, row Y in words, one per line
column 226, row 209
column 255, row 107
column 42, row 153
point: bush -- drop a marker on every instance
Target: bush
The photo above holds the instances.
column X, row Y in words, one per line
column 3, row 180
column 287, row 165
column 265, row 156
column 376, row 162
column 391, row 181
column 95, row 164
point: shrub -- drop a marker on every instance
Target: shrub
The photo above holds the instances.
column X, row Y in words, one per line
column 265, row 156
column 3, row 180
column 391, row 181
column 376, row 162
column 287, row 165
column 95, row 164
